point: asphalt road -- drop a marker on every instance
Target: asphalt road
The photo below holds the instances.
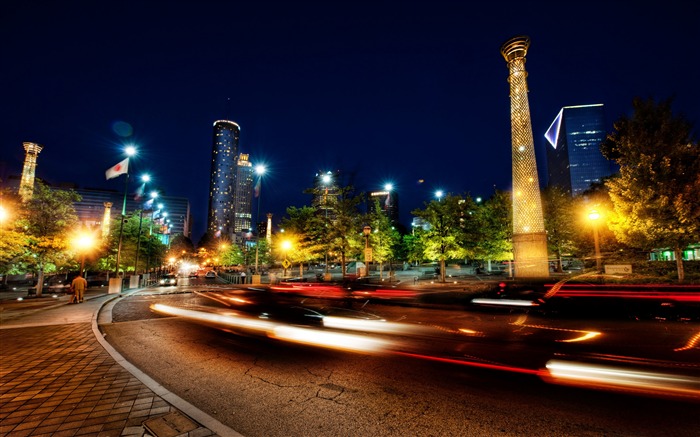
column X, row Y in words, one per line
column 262, row 387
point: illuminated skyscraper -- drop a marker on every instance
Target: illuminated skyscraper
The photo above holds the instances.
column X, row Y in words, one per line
column 529, row 237
column 223, row 178
column 388, row 202
column 574, row 160
column 244, row 192
column 26, row 185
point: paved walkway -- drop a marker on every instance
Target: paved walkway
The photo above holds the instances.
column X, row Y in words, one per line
column 59, row 377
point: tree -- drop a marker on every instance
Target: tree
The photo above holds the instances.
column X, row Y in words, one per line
column 12, row 239
column 656, row 197
column 307, row 228
column 495, row 223
column 344, row 226
column 559, row 217
column 48, row 217
column 383, row 237
column 442, row 240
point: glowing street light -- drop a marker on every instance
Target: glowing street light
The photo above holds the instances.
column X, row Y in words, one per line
column 83, row 243
column 286, row 245
column 439, row 194
column 260, row 171
column 594, row 216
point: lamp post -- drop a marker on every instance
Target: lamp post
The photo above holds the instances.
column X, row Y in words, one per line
column 326, row 179
column 83, row 242
column 439, row 194
column 130, row 151
column 594, row 216
column 368, row 252
column 260, row 171
column 145, row 178
column 286, row 245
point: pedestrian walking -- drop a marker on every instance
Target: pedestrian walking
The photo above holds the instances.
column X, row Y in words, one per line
column 78, row 287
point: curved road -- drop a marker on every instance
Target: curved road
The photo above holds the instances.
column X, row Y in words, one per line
column 262, row 387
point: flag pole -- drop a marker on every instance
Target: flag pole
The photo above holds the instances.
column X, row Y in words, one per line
column 121, row 226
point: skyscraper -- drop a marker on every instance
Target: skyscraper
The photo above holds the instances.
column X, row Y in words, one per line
column 529, row 236
column 388, row 202
column 26, row 187
column 222, row 184
column 244, row 191
column 574, row 160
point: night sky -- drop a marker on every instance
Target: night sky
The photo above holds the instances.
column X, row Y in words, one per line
column 398, row 92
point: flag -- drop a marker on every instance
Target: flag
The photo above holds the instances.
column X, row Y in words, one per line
column 148, row 204
column 120, row 168
column 139, row 191
column 257, row 188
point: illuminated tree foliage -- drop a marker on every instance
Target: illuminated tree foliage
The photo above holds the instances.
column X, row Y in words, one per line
column 495, row 229
column 444, row 237
column 47, row 219
column 383, row 237
column 559, row 217
column 656, row 197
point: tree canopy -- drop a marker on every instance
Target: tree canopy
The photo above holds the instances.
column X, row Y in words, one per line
column 656, row 196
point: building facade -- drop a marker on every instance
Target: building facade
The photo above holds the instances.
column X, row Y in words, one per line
column 388, row 202
column 574, row 160
column 244, row 195
column 222, row 185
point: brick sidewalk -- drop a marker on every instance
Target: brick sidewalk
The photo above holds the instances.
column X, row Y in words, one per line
column 58, row 380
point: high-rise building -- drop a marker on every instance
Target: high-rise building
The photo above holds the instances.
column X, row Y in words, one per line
column 244, row 194
column 388, row 202
column 222, row 185
column 529, row 236
column 326, row 190
column 574, row 160
column 26, row 187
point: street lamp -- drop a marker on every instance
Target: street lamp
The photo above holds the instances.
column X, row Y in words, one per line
column 439, row 194
column 368, row 252
column 286, row 245
column 260, row 171
column 326, row 179
column 129, row 151
column 145, row 178
column 83, row 243
column 594, row 216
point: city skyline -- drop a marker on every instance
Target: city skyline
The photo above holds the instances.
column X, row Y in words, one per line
column 405, row 94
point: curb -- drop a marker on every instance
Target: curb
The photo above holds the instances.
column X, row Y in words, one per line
column 195, row 413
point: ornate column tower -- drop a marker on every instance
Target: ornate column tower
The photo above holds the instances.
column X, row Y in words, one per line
column 26, row 185
column 106, row 219
column 529, row 237
column 268, row 230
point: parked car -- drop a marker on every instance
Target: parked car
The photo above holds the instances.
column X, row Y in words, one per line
column 210, row 274
column 168, row 279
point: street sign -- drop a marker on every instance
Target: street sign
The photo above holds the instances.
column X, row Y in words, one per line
column 286, row 264
column 621, row 269
column 368, row 254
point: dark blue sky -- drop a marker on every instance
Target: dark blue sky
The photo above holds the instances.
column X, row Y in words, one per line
column 384, row 91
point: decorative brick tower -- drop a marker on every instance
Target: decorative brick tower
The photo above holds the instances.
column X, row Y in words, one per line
column 106, row 219
column 26, row 185
column 529, row 236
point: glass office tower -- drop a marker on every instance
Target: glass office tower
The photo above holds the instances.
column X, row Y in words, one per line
column 574, row 159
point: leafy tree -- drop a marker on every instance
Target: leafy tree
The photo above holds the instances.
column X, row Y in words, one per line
column 496, row 229
column 181, row 244
column 444, row 237
column 559, row 217
column 383, row 237
column 656, row 197
column 12, row 239
column 344, row 225
column 48, row 217
column 307, row 228
column 231, row 255
column 412, row 247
